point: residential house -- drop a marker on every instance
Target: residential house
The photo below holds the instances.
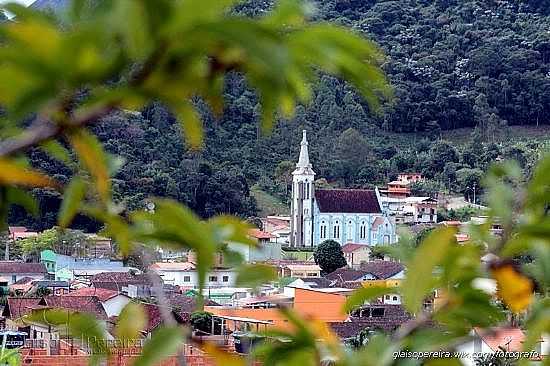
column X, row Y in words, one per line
column 489, row 341
column 17, row 308
column 185, row 275
column 278, row 227
column 301, row 270
column 13, row 271
column 48, row 258
column 265, row 250
column 112, row 301
column 356, row 254
column 20, row 232
column 400, row 188
column 326, row 305
column 411, row 210
column 384, row 274
column 69, row 268
column 155, row 320
column 369, row 319
column 134, row 285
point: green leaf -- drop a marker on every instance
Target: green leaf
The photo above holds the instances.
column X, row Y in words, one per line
column 23, row 199
column 190, row 123
column 57, row 151
column 419, row 278
column 73, row 196
column 164, row 342
column 131, row 321
column 91, row 154
column 135, row 27
column 362, row 295
column 255, row 275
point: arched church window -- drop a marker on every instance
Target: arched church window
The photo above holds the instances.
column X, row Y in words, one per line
column 323, row 232
column 363, row 230
column 350, row 230
column 336, row 230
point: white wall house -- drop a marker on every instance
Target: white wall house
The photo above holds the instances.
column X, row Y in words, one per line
column 184, row 274
column 12, row 271
column 494, row 340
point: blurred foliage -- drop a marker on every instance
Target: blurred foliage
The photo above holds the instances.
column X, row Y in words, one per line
column 108, row 57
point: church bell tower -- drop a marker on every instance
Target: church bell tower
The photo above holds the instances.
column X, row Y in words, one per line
column 301, row 223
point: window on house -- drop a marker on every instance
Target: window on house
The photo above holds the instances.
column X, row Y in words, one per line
column 213, row 278
column 387, row 297
column 225, row 278
column 336, row 230
column 363, row 230
column 395, row 298
column 312, row 274
column 350, row 230
column 323, row 231
column 377, row 312
column 186, row 278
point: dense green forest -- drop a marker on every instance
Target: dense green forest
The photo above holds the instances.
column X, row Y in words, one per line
column 453, row 64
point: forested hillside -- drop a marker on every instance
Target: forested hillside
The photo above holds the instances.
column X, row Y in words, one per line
column 453, row 64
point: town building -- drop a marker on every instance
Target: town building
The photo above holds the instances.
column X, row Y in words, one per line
column 132, row 284
column 267, row 249
column 301, row 270
column 112, row 301
column 342, row 215
column 185, row 275
column 400, row 188
column 356, row 254
column 326, row 304
column 411, row 210
column 12, row 271
column 489, row 341
column 278, row 227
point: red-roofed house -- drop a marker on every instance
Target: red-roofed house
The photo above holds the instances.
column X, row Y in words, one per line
column 356, row 254
column 13, row 271
column 492, row 340
column 112, row 301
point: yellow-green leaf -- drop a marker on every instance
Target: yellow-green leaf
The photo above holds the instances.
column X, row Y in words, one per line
column 91, row 154
column 419, row 278
column 12, row 173
column 73, row 196
column 164, row 342
column 255, row 275
column 191, row 124
column 131, row 321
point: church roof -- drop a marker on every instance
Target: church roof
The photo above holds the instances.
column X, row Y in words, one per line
column 347, row 200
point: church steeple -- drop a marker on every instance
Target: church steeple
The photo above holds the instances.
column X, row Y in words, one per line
column 301, row 224
column 303, row 161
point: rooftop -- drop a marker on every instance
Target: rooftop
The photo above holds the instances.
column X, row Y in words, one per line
column 22, row 267
column 347, row 200
column 173, row 266
column 382, row 269
column 259, row 234
column 352, row 247
column 101, row 293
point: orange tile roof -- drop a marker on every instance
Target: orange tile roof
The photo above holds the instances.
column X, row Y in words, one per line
column 259, row 234
column 101, row 293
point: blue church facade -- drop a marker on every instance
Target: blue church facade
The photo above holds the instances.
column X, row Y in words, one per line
column 342, row 215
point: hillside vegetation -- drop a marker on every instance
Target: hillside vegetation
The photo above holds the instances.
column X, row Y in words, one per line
column 465, row 74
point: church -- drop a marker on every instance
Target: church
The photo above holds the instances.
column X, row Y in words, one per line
column 342, row 215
